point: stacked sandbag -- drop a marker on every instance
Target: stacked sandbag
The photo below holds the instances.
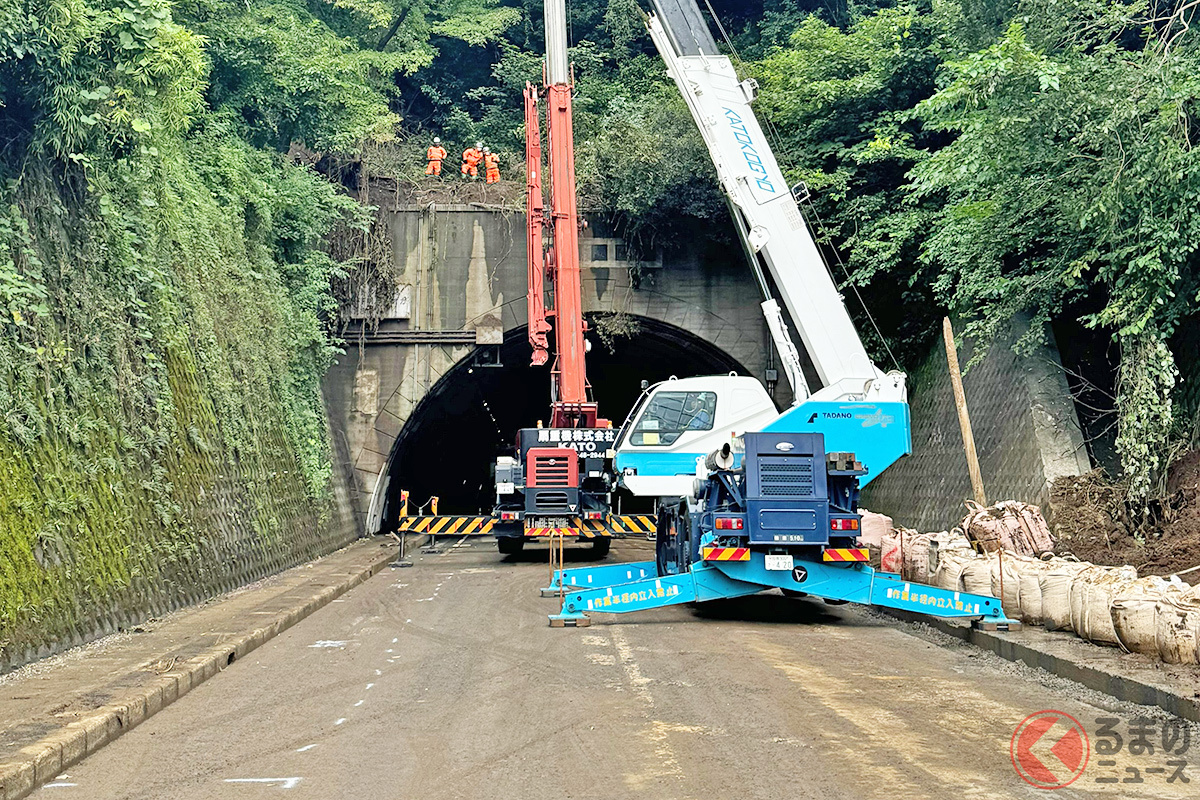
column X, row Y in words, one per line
column 915, row 555
column 889, row 550
column 1092, row 594
column 976, row 576
column 906, row 553
column 1177, row 627
column 1006, row 582
column 874, row 528
column 949, row 554
column 1008, row 525
column 1055, row 584
column 1029, row 581
column 1135, row 612
column 948, row 543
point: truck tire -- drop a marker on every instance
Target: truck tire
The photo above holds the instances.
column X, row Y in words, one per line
column 510, row 545
column 669, row 538
column 600, row 546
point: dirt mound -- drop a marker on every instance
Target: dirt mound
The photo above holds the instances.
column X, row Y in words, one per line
column 1093, row 521
column 390, row 192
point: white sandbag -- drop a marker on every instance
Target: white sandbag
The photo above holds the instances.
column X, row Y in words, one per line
column 1177, row 627
column 874, row 528
column 1029, row 574
column 948, row 542
column 1135, row 612
column 949, row 570
column 889, row 551
column 1006, row 583
column 1099, row 587
column 976, row 576
column 914, row 551
column 1055, row 584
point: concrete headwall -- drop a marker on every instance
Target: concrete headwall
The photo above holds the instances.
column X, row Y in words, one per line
column 1026, row 433
column 464, row 270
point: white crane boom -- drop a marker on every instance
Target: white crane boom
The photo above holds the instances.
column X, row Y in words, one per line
column 773, row 231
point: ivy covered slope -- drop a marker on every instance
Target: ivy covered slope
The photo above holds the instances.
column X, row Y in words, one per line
column 162, row 294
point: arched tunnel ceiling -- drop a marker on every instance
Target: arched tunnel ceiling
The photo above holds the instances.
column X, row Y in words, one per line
column 450, row 443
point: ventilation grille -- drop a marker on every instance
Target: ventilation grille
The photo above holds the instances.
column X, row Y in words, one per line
column 552, row 470
column 794, row 479
column 550, row 501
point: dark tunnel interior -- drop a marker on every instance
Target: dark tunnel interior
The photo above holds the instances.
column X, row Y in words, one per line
column 471, row 415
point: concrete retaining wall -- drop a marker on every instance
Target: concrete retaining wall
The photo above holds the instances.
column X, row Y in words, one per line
column 1026, row 433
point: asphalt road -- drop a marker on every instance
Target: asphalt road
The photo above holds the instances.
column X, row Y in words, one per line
column 444, row 681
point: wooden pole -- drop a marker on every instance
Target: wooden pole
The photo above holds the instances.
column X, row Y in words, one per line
column 964, row 418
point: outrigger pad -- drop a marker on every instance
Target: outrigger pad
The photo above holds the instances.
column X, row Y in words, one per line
column 569, row 621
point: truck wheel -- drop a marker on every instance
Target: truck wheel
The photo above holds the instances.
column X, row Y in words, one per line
column 666, row 540
column 510, row 545
column 600, row 546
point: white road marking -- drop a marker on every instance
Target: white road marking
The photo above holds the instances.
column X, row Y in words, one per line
column 369, row 685
column 284, row 783
column 378, row 672
column 390, row 650
column 323, row 643
column 359, row 703
column 395, row 640
column 340, row 721
column 306, row 748
column 59, row 785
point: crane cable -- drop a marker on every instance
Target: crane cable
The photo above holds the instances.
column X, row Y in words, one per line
column 774, row 139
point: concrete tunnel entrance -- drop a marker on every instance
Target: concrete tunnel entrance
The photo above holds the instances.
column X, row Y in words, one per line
column 450, row 443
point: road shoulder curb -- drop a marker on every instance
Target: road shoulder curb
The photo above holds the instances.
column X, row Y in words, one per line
column 1110, row 682
column 42, row 761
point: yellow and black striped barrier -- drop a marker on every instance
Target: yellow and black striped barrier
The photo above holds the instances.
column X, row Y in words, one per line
column 447, row 525
column 625, row 524
column 450, row 525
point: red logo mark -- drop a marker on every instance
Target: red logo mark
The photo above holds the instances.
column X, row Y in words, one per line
column 1049, row 749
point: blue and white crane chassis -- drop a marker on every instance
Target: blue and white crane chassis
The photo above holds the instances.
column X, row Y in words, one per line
column 703, row 476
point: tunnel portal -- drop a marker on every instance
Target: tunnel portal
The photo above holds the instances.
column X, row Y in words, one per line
column 450, row 443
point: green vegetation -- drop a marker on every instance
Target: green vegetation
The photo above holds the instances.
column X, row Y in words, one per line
column 165, row 301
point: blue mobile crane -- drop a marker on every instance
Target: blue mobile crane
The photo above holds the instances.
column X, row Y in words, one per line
column 748, row 498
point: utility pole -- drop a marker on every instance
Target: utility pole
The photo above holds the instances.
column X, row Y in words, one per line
column 964, row 417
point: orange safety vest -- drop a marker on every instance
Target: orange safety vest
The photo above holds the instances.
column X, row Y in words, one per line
column 436, row 153
column 491, row 161
column 472, row 156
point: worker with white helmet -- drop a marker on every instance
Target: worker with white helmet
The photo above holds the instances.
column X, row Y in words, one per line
column 435, row 156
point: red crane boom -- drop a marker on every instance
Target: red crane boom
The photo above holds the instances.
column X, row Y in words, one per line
column 570, row 407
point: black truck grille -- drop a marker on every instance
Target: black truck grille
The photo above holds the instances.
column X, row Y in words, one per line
column 550, row 501
column 786, row 480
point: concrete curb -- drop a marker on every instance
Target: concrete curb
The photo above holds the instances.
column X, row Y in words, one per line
column 45, row 759
column 1121, row 687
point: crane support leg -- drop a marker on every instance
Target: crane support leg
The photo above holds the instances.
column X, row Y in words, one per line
column 697, row 585
column 601, row 576
column 853, row 583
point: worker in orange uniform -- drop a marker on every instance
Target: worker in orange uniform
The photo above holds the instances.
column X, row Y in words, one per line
column 435, row 155
column 491, row 164
column 471, row 158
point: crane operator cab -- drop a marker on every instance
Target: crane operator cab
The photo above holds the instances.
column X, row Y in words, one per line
column 682, row 419
column 662, row 445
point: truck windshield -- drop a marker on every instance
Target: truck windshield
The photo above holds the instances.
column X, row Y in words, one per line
column 669, row 414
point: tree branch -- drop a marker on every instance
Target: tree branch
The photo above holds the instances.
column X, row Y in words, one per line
column 391, row 31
